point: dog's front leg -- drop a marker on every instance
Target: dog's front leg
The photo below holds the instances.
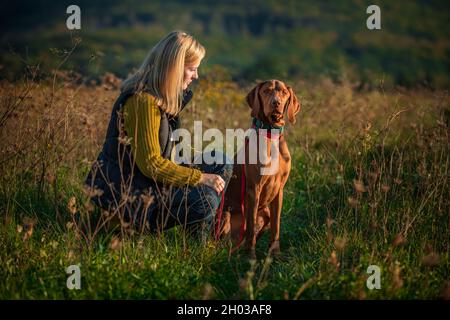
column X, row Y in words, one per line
column 275, row 219
column 253, row 192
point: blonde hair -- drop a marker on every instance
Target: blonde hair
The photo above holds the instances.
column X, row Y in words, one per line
column 162, row 71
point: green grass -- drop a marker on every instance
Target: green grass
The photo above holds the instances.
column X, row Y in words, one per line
column 356, row 196
column 172, row 266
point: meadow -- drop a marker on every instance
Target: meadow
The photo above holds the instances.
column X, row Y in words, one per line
column 369, row 186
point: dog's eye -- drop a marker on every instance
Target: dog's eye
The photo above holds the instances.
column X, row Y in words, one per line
column 266, row 91
column 284, row 92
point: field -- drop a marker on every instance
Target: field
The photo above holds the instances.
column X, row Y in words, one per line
column 369, row 186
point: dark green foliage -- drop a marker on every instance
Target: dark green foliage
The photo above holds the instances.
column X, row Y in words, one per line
column 253, row 39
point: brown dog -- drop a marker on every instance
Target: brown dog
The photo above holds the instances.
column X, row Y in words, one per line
column 253, row 201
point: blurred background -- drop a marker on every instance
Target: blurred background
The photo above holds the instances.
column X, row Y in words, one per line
column 245, row 40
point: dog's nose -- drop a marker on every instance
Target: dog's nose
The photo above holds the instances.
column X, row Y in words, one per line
column 276, row 103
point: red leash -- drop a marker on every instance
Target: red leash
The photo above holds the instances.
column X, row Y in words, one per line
column 243, row 187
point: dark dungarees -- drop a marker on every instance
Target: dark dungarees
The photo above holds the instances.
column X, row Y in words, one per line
column 171, row 205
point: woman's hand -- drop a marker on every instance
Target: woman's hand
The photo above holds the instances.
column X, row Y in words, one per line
column 214, row 181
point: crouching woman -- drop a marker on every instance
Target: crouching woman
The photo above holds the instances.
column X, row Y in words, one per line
column 134, row 177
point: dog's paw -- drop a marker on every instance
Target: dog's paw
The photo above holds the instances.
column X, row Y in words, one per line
column 251, row 254
column 274, row 248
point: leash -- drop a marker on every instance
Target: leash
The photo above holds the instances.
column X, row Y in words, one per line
column 243, row 187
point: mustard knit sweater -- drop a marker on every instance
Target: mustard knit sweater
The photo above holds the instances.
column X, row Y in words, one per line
column 141, row 120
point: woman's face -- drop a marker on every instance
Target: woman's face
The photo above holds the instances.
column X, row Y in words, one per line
column 190, row 74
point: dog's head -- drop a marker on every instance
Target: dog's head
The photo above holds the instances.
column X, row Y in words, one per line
column 271, row 100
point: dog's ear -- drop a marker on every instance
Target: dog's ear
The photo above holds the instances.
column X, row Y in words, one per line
column 293, row 106
column 253, row 100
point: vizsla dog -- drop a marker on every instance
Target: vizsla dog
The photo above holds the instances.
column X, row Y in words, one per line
column 253, row 200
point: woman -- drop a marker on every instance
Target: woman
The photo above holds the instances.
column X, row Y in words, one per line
column 134, row 176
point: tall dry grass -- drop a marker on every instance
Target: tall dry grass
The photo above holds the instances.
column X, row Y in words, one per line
column 369, row 185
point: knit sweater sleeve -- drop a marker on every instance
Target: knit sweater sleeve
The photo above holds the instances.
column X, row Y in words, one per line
column 142, row 120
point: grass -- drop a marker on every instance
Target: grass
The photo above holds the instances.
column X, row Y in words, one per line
column 368, row 186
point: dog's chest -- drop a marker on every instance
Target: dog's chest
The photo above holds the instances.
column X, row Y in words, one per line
column 272, row 184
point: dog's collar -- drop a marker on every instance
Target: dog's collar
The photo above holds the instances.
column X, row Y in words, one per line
column 271, row 133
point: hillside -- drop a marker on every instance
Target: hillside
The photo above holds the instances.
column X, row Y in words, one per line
column 246, row 39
